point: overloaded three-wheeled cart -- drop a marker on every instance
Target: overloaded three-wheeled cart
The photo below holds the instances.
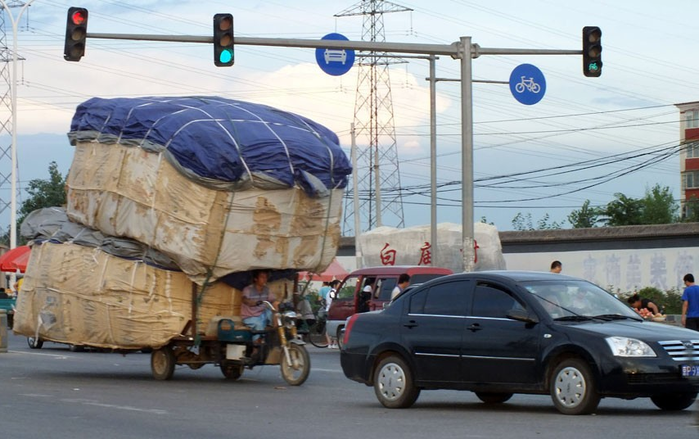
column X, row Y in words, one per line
column 233, row 350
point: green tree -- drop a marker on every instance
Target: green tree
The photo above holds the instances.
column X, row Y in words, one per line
column 623, row 211
column 521, row 222
column 524, row 222
column 584, row 217
column 691, row 212
column 659, row 206
column 42, row 193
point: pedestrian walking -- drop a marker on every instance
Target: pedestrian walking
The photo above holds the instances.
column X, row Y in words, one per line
column 690, row 303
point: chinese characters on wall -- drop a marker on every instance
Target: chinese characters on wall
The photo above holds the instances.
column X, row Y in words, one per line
column 624, row 270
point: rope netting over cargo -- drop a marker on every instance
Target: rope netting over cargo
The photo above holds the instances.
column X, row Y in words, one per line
column 221, row 143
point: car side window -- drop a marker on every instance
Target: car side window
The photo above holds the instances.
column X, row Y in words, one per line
column 493, row 301
column 447, row 299
column 417, row 302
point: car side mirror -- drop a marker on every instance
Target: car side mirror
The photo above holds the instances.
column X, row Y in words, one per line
column 522, row 316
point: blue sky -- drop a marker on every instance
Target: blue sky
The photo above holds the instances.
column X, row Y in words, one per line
column 592, row 123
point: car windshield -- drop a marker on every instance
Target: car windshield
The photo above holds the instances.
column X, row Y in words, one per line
column 568, row 300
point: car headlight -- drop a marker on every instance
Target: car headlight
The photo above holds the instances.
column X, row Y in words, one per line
column 629, row 347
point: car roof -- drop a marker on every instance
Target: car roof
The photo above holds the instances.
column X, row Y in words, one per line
column 517, row 276
column 398, row 269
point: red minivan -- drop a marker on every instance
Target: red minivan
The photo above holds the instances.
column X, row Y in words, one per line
column 383, row 279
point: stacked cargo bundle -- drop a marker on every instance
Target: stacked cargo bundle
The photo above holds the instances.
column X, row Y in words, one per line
column 165, row 197
column 218, row 185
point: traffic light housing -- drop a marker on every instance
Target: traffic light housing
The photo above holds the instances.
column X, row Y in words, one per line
column 592, row 51
column 76, row 34
column 224, row 54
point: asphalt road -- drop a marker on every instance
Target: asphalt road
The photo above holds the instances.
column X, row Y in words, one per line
column 57, row 394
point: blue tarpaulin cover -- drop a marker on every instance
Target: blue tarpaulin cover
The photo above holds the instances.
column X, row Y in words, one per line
column 222, row 143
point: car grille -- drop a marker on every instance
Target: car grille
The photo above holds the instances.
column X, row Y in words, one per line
column 655, row 378
column 681, row 350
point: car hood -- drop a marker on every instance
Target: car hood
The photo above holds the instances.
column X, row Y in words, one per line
column 647, row 331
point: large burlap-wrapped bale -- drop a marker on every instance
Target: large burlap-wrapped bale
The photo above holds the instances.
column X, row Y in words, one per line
column 84, row 296
column 411, row 246
column 126, row 191
column 219, row 186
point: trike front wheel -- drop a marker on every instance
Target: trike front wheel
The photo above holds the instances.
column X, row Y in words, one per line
column 296, row 372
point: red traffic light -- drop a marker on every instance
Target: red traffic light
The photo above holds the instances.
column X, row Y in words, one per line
column 76, row 34
column 79, row 17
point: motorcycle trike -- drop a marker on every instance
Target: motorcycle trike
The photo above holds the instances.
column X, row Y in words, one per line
column 233, row 350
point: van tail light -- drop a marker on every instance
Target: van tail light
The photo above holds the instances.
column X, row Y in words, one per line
column 348, row 328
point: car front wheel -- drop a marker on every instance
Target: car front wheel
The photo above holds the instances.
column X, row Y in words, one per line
column 394, row 383
column 674, row 402
column 573, row 388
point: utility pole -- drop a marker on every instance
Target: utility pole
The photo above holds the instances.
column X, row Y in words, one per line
column 13, row 111
column 377, row 153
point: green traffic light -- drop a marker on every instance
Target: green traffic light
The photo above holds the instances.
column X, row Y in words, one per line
column 226, row 56
column 593, row 67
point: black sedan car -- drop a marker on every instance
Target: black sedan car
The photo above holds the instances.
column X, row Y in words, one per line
column 505, row 332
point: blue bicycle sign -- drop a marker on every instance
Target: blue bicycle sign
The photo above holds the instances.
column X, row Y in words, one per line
column 527, row 84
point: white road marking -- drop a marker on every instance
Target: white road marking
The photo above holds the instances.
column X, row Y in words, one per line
column 317, row 369
column 57, row 356
column 115, row 407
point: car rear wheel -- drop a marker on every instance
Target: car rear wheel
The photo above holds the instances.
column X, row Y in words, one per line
column 573, row 388
column 394, row 384
column 674, row 402
column 493, row 398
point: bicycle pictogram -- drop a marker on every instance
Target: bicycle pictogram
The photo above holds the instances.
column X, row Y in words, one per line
column 527, row 84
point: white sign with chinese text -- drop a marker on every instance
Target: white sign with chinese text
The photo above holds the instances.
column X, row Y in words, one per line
column 411, row 246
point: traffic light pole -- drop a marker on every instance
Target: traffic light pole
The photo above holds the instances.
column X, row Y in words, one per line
column 462, row 49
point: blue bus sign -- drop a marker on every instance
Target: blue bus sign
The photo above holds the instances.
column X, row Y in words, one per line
column 527, row 84
column 335, row 62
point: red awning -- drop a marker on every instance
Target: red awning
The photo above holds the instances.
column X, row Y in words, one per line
column 15, row 259
column 334, row 271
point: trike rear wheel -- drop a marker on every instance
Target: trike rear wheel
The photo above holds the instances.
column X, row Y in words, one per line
column 162, row 363
column 231, row 370
column 35, row 342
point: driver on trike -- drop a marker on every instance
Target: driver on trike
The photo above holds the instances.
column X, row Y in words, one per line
column 252, row 309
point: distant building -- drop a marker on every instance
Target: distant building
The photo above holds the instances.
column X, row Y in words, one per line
column 689, row 154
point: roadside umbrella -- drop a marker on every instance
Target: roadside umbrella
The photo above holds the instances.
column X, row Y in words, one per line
column 334, row 271
column 15, row 259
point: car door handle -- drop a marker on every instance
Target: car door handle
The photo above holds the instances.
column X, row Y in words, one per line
column 410, row 324
column 475, row 327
